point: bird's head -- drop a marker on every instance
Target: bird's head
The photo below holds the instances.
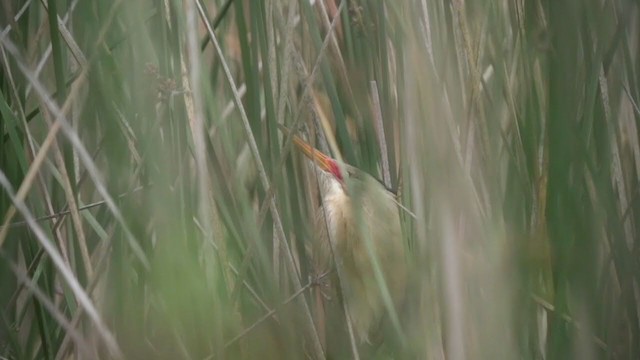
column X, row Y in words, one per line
column 351, row 180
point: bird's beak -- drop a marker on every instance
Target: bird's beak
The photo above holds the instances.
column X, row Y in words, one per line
column 323, row 161
column 315, row 155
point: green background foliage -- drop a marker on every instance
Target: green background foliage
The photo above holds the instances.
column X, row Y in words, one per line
column 151, row 208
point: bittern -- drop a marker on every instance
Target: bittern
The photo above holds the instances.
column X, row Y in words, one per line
column 357, row 230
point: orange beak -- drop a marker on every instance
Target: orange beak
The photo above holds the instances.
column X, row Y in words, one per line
column 323, row 161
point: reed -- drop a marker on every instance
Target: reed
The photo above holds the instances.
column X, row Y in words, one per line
column 151, row 208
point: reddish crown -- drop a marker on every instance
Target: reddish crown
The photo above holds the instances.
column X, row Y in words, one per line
column 335, row 169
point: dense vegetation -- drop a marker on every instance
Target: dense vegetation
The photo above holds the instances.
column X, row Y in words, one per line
column 151, row 208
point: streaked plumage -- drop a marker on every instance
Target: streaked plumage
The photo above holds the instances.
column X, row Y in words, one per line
column 348, row 200
column 380, row 219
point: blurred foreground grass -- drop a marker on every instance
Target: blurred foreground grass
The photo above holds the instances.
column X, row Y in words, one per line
column 137, row 223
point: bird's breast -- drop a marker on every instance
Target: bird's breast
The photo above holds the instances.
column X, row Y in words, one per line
column 360, row 228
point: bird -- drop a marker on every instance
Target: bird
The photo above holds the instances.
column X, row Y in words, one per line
column 358, row 234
